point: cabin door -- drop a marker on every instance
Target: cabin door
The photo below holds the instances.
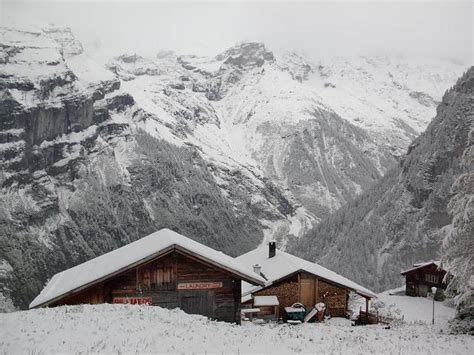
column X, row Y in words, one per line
column 307, row 292
column 198, row 302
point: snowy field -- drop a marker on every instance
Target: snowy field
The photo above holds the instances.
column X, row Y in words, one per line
column 120, row 329
column 418, row 310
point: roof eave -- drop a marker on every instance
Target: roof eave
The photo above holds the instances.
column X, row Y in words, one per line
column 419, row 267
column 361, row 293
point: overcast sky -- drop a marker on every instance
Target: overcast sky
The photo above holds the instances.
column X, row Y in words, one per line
column 435, row 29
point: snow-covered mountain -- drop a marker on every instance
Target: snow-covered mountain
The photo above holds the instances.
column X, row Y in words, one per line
column 392, row 98
column 289, row 118
column 404, row 218
column 227, row 150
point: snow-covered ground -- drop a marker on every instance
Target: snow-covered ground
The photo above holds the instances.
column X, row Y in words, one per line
column 413, row 309
column 120, row 329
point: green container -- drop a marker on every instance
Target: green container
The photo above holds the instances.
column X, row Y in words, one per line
column 295, row 312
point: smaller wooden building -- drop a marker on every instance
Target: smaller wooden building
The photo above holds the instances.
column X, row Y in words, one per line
column 422, row 277
column 269, row 307
column 164, row 269
column 295, row 280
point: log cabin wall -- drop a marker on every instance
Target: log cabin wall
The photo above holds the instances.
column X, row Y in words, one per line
column 173, row 280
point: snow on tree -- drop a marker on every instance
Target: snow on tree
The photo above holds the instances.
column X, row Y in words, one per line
column 458, row 245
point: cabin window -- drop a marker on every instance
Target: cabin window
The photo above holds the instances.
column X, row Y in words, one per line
column 156, row 276
column 163, row 278
column 431, row 278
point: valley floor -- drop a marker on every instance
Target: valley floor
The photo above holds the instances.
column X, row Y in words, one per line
column 121, row 329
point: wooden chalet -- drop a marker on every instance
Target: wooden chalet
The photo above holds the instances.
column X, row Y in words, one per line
column 164, row 269
column 422, row 277
column 295, row 280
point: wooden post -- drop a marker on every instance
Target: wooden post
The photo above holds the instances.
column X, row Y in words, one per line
column 367, row 310
column 299, row 287
column 175, row 271
column 316, row 291
column 137, row 282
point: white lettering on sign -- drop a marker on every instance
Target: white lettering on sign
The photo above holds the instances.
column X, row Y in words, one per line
column 199, row 285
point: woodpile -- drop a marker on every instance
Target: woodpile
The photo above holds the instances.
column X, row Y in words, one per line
column 287, row 293
column 309, row 290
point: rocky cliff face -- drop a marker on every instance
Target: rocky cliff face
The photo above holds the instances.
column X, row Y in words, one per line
column 398, row 221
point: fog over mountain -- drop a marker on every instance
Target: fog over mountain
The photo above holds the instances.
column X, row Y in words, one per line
column 429, row 29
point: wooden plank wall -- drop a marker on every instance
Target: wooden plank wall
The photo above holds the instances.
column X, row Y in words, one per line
column 227, row 298
column 221, row 303
column 94, row 295
column 334, row 297
column 309, row 290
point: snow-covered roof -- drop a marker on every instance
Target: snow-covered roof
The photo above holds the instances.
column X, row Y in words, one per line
column 118, row 260
column 417, row 266
column 265, row 301
column 284, row 264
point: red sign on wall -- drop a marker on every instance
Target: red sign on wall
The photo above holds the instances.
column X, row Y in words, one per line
column 132, row 300
column 199, row 285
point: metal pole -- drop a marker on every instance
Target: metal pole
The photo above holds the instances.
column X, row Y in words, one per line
column 433, row 291
column 432, row 321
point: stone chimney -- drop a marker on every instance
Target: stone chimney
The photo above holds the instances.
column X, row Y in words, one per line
column 271, row 248
column 257, row 269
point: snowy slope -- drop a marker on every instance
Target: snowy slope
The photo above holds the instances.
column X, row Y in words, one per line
column 244, row 111
column 394, row 303
column 141, row 329
column 322, row 129
column 393, row 98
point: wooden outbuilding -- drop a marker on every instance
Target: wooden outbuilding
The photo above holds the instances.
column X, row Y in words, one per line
column 164, row 269
column 268, row 307
column 422, row 277
column 295, row 280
